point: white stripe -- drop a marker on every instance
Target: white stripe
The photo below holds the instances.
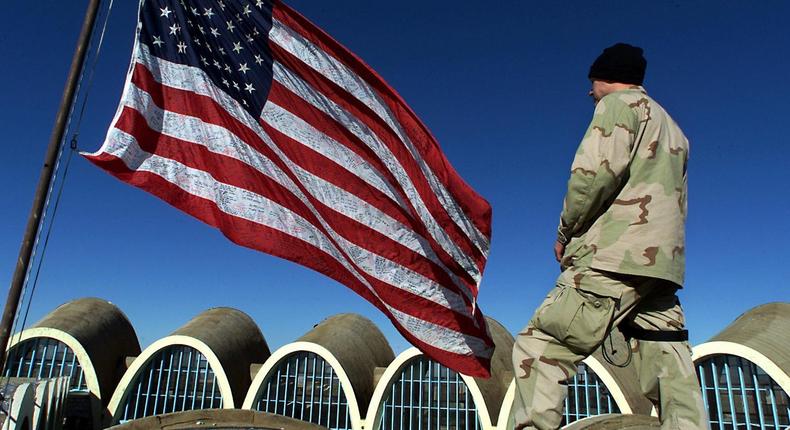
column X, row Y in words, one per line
column 337, row 72
column 297, row 129
column 220, row 140
column 184, row 76
column 302, row 89
column 252, row 207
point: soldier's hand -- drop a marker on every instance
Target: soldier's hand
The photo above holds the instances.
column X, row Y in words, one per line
column 559, row 250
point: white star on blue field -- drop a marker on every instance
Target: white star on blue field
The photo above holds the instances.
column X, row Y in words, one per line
column 502, row 85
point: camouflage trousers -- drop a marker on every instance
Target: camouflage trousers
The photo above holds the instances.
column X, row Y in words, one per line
column 575, row 319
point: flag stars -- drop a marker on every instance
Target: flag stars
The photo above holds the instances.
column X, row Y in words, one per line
column 250, row 39
column 225, row 82
column 249, row 88
column 228, row 69
column 258, row 59
column 214, row 32
column 195, row 11
column 208, row 13
column 222, row 5
column 157, row 41
column 197, row 41
column 216, row 64
column 231, row 26
column 235, row 85
column 165, row 12
column 243, row 68
column 182, row 47
column 247, row 11
column 222, row 51
column 175, row 28
column 259, row 4
column 204, row 60
column 201, row 29
column 237, row 47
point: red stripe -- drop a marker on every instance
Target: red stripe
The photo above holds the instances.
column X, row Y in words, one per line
column 387, row 136
column 229, row 170
column 297, row 106
column 477, row 208
column 259, row 237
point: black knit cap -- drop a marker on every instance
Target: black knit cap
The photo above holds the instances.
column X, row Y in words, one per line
column 620, row 62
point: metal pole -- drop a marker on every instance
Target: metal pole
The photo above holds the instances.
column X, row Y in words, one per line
column 44, row 181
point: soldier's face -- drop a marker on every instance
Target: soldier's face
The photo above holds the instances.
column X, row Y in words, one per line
column 598, row 89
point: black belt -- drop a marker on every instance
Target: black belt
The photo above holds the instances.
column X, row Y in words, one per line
column 631, row 332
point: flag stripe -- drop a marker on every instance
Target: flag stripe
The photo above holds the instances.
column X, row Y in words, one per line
column 368, row 85
column 266, row 128
column 176, row 102
column 414, row 278
column 302, row 109
column 296, row 85
column 241, row 203
column 183, row 77
column 389, row 146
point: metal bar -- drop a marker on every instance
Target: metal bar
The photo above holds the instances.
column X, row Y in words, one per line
column 45, row 178
column 296, row 385
column 54, row 359
column 166, row 394
column 744, row 400
column 32, row 360
column 321, row 396
column 753, row 370
column 773, row 402
column 205, row 382
column 43, row 360
column 137, row 398
column 430, row 391
column 214, row 389
column 339, row 391
column 285, row 392
column 312, row 390
column 148, row 388
column 704, row 387
column 304, row 386
column 586, row 391
column 716, row 390
column 447, row 399
column 419, row 403
column 159, row 382
column 733, row 412
column 195, row 384
column 178, row 378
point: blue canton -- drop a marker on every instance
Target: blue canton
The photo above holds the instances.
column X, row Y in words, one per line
column 228, row 40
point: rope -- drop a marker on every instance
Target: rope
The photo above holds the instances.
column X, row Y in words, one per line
column 73, row 146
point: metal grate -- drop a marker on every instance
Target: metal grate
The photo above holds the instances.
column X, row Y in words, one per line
column 587, row 396
column 305, row 387
column 740, row 395
column 176, row 378
column 44, row 357
column 427, row 396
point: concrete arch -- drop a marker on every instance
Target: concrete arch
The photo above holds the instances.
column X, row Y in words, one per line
column 301, row 346
column 139, row 363
column 715, row 348
column 394, row 370
column 760, row 335
column 230, row 341
column 352, row 345
column 98, row 333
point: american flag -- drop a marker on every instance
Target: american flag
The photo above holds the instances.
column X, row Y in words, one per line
column 250, row 118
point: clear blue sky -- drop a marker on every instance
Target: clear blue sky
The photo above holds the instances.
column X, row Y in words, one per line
column 503, row 87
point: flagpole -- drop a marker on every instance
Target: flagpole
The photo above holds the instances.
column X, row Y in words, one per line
column 44, row 181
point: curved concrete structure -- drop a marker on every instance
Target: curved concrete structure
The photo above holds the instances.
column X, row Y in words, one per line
column 760, row 335
column 487, row 394
column 217, row 418
column 228, row 339
column 98, row 333
column 352, row 345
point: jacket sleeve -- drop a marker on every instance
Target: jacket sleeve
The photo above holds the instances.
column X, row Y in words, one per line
column 601, row 161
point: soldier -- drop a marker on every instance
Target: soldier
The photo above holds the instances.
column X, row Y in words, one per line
column 620, row 245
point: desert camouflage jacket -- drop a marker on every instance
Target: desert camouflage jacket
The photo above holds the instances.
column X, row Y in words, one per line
column 625, row 209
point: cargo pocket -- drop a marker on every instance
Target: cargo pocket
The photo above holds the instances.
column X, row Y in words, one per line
column 577, row 319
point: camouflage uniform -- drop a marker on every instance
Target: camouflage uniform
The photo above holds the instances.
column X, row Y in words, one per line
column 623, row 225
